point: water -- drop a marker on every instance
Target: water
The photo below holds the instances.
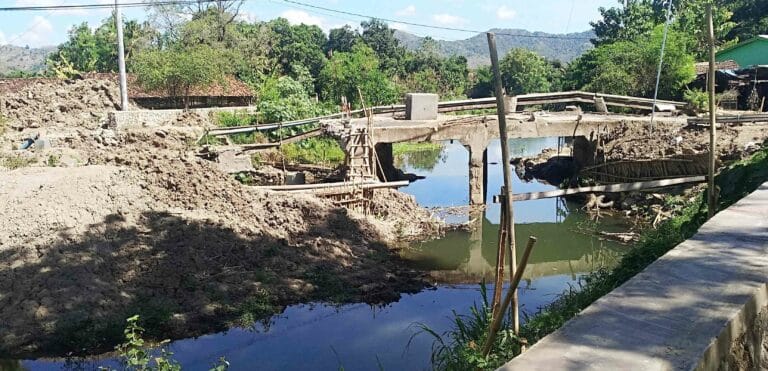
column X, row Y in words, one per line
column 362, row 337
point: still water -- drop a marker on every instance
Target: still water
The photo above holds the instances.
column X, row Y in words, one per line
column 361, row 337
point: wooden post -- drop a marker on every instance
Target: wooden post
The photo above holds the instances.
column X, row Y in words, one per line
column 496, row 321
column 507, row 201
column 711, row 192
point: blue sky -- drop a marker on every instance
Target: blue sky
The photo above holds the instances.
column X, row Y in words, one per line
column 41, row 28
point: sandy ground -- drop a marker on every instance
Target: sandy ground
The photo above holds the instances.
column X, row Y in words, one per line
column 134, row 223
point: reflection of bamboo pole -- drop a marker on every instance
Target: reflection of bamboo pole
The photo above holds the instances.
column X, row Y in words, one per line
column 499, row 283
column 496, row 322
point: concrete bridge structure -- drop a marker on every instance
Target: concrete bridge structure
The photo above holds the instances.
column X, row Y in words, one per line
column 475, row 132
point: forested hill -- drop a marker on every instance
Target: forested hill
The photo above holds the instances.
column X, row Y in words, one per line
column 19, row 58
column 476, row 48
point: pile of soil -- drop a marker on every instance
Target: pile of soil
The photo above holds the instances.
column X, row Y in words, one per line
column 637, row 142
column 71, row 103
column 146, row 227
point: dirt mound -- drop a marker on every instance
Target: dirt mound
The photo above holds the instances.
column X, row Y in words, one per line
column 71, row 103
column 637, row 142
column 151, row 229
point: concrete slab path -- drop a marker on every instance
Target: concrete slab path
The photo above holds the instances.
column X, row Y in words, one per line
column 682, row 312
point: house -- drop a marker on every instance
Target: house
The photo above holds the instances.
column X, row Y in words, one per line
column 753, row 52
column 230, row 92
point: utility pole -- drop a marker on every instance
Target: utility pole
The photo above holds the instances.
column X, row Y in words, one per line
column 711, row 192
column 121, row 59
column 509, row 221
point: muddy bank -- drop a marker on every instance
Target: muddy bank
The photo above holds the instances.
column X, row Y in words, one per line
column 137, row 224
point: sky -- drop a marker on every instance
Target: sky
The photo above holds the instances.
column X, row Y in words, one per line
column 43, row 28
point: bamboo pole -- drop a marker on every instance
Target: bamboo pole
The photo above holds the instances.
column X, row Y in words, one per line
column 496, row 322
column 711, row 193
column 507, row 205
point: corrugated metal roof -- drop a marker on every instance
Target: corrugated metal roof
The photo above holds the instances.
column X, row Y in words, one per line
column 703, row 67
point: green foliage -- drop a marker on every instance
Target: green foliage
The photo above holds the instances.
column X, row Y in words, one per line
column 697, row 99
column 341, row 40
column 524, row 72
column 421, row 156
column 317, row 150
column 629, row 67
column 379, row 37
column 136, row 357
column 53, row 161
column 14, row 162
column 460, row 348
column 285, row 99
column 95, row 50
column 178, row 71
column 256, row 308
column 298, row 44
column 346, row 72
column 750, row 18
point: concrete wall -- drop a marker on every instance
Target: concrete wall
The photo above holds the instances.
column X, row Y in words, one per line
column 152, row 118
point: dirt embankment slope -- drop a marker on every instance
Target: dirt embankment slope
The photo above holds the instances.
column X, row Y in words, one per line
column 142, row 226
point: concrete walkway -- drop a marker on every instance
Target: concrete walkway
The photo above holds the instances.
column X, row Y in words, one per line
column 683, row 312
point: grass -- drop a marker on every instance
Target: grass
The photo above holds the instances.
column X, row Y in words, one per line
column 403, row 148
column 317, row 150
column 458, row 348
column 14, row 162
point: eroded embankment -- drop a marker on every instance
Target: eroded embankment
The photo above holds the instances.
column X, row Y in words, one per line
column 142, row 226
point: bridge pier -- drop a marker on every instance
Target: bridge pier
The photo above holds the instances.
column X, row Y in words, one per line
column 478, row 170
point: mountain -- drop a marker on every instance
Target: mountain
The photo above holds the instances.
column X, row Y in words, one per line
column 19, row 58
column 562, row 47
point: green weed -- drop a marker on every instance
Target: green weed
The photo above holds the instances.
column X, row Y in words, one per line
column 318, row 150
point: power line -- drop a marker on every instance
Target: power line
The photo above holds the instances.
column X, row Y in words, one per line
column 433, row 26
column 336, row 11
column 133, row 4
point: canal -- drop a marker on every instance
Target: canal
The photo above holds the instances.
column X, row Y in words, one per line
column 363, row 337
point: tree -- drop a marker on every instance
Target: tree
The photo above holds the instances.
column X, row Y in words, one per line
column 171, row 17
column 346, row 72
column 341, row 40
column 96, row 51
column 624, row 23
column 377, row 35
column 750, row 18
column 298, row 44
column 523, row 72
column 629, row 67
column 178, row 71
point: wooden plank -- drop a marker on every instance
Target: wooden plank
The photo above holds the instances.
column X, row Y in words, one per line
column 619, row 187
column 325, row 186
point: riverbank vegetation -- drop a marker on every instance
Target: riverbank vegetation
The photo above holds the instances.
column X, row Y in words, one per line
column 459, row 348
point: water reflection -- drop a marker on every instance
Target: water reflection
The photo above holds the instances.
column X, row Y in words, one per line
column 360, row 337
column 562, row 248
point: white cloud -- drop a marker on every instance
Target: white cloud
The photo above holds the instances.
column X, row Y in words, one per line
column 300, row 16
column 3, row 40
column 407, row 11
column 39, row 32
column 448, row 19
column 505, row 13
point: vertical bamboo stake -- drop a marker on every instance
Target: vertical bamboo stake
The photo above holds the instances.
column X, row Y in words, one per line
column 496, row 322
column 507, row 202
column 711, row 193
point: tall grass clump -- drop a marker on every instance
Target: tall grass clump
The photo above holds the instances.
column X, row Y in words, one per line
column 459, row 348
